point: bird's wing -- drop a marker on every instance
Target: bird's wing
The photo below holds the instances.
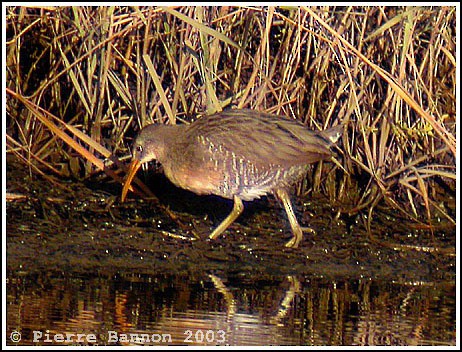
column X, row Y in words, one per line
column 260, row 138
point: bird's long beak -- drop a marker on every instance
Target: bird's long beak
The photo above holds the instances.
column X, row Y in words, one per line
column 132, row 169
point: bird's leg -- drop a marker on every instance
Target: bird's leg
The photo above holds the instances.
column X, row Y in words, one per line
column 237, row 210
column 296, row 229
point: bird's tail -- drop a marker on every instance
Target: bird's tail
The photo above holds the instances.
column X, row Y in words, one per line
column 332, row 135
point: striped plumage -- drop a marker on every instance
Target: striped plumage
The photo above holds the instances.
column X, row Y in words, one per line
column 236, row 154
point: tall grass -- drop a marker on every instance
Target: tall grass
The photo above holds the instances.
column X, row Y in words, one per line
column 81, row 81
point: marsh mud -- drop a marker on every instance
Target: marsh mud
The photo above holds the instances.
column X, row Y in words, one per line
column 80, row 262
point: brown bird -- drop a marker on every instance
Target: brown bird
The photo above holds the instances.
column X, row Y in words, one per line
column 235, row 154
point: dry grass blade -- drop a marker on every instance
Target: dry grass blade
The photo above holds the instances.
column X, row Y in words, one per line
column 160, row 90
column 75, row 81
column 389, row 24
column 438, row 127
column 208, row 65
column 99, row 163
column 201, row 27
column 58, row 132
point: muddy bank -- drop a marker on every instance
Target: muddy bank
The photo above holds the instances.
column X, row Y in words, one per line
column 82, row 227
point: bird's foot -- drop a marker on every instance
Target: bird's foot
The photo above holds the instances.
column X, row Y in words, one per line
column 308, row 229
column 293, row 243
column 298, row 236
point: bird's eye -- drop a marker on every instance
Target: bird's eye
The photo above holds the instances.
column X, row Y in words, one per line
column 139, row 148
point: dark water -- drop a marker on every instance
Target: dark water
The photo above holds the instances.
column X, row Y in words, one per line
column 79, row 262
column 205, row 310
